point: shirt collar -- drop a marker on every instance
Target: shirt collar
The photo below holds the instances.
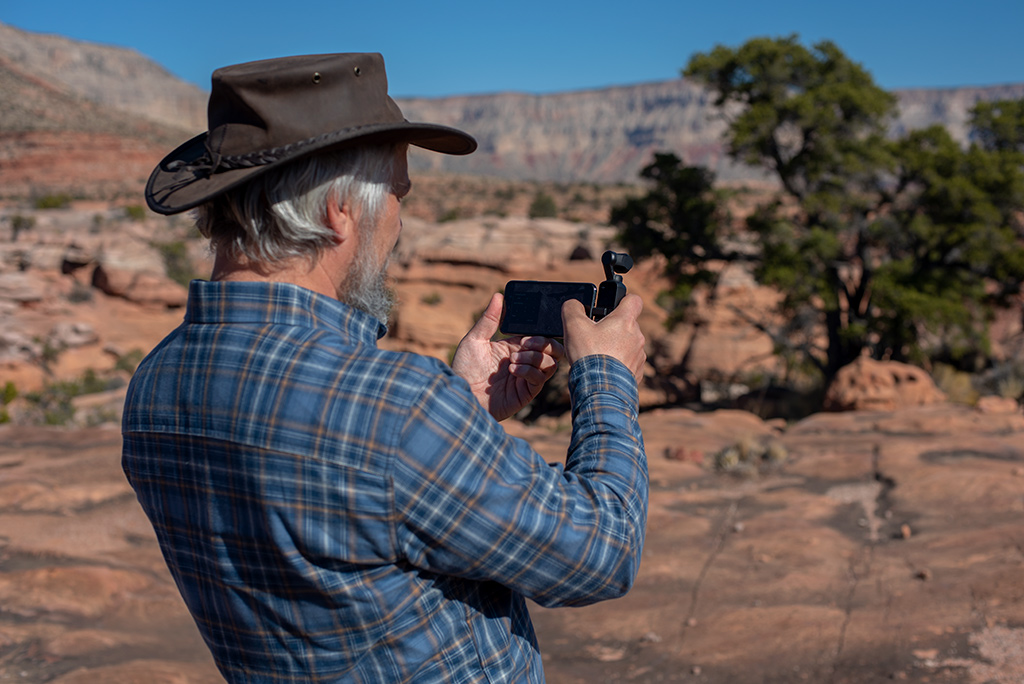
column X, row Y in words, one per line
column 278, row 303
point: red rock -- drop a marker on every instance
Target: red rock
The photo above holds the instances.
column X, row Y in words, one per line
column 140, row 287
column 869, row 385
column 993, row 404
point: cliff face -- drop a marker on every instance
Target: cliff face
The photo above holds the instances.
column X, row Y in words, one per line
column 608, row 135
column 113, row 77
column 599, row 135
column 604, row 135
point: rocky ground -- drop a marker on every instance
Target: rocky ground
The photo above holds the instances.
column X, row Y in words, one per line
column 886, row 546
column 873, row 546
column 862, row 546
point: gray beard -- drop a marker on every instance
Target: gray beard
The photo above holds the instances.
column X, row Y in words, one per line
column 366, row 289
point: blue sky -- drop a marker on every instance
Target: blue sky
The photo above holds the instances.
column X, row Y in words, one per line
column 439, row 48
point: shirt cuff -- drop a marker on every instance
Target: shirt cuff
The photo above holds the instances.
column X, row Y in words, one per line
column 605, row 375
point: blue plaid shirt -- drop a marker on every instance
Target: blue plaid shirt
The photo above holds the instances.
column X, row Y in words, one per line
column 335, row 512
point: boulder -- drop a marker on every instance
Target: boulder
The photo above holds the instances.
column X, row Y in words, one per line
column 21, row 288
column 994, row 404
column 141, row 287
column 68, row 334
column 870, row 385
column 17, row 346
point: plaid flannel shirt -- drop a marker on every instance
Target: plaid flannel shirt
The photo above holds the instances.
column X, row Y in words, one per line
column 334, row 512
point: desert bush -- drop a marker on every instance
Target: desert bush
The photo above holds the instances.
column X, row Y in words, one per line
column 129, row 361
column 543, row 206
column 80, row 293
column 10, row 393
column 177, row 262
column 19, row 224
column 506, row 193
column 448, row 215
column 958, row 385
column 57, row 201
column 750, row 457
column 135, row 212
column 54, row 404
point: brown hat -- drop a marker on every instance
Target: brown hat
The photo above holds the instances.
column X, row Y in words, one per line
column 266, row 113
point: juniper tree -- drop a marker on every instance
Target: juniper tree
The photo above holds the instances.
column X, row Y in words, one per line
column 900, row 248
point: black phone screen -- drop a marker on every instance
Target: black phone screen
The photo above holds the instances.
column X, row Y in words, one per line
column 534, row 307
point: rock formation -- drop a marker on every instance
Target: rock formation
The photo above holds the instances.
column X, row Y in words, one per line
column 870, row 385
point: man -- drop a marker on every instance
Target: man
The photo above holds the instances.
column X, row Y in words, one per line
column 331, row 511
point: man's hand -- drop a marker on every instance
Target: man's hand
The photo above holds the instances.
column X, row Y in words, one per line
column 507, row 374
column 617, row 334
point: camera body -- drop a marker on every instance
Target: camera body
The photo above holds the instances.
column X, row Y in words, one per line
column 534, row 307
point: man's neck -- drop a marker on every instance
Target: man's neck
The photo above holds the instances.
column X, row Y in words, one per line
column 306, row 273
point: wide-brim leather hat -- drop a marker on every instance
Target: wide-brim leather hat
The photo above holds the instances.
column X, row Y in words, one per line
column 270, row 112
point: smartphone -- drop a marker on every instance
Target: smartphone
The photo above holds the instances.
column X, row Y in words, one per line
column 534, row 307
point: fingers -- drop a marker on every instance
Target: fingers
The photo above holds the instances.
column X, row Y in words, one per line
column 626, row 315
column 617, row 334
column 534, row 359
column 544, row 345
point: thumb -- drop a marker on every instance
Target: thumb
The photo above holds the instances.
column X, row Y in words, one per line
column 489, row 320
column 573, row 310
column 630, row 307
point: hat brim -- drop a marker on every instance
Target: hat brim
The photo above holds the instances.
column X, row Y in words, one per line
column 176, row 185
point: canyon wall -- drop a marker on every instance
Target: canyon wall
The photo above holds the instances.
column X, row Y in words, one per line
column 603, row 136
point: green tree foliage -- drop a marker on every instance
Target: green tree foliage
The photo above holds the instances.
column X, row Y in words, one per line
column 999, row 126
column 678, row 219
column 953, row 242
column 899, row 247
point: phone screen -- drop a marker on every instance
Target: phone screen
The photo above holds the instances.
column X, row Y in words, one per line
column 534, row 307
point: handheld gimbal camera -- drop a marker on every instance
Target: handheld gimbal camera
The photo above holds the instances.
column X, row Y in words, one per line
column 534, row 307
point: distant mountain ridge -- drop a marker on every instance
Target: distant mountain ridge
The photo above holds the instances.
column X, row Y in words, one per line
column 114, row 77
column 604, row 135
column 608, row 135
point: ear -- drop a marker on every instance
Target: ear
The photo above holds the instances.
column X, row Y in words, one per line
column 341, row 220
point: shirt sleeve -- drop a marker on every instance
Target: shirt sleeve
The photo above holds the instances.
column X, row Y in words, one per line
column 474, row 502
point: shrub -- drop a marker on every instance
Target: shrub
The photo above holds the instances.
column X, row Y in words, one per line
column 19, row 224
column 177, row 262
column 450, row 215
column 10, row 393
column 80, row 293
column 129, row 361
column 543, row 206
column 54, row 404
column 958, row 385
column 58, row 201
column 750, row 457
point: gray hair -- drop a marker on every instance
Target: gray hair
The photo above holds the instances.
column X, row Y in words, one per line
column 281, row 214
